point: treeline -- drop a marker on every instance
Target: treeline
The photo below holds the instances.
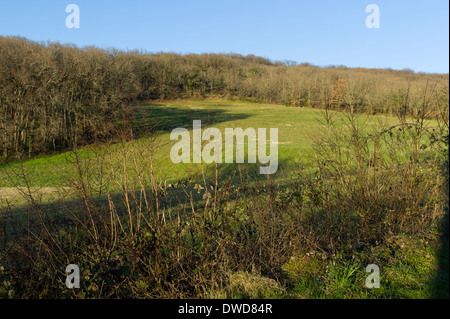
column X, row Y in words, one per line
column 53, row 96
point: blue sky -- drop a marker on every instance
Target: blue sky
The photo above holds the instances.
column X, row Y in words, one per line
column 412, row 34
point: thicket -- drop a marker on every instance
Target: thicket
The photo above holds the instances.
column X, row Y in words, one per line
column 55, row 97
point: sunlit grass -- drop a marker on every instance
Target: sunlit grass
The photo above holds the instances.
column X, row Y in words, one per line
column 297, row 127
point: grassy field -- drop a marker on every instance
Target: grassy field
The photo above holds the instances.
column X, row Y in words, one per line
column 296, row 129
column 413, row 267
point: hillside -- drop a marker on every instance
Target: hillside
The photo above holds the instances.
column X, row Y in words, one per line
column 54, row 97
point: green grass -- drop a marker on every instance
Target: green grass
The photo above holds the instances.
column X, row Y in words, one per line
column 296, row 127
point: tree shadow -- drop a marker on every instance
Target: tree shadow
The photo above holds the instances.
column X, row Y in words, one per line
column 61, row 211
column 159, row 117
column 440, row 283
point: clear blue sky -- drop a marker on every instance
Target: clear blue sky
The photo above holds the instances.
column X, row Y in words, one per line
column 413, row 34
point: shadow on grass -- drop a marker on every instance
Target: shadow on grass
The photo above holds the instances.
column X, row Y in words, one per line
column 440, row 284
column 164, row 118
column 146, row 120
column 59, row 211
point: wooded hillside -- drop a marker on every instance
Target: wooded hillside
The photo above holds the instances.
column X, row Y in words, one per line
column 55, row 96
